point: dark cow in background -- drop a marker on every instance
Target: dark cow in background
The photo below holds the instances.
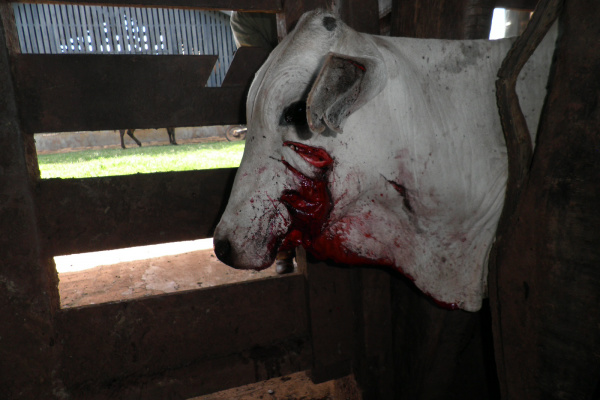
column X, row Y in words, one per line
column 170, row 132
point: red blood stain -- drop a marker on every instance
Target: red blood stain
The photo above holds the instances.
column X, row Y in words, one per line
column 357, row 65
column 312, row 155
column 333, row 247
column 310, row 205
column 447, row 306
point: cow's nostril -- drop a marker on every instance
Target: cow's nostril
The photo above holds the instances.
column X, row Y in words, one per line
column 223, row 250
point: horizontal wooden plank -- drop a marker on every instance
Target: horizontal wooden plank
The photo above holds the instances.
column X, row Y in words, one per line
column 188, row 343
column 246, row 62
column 82, row 215
column 61, row 93
column 236, row 5
column 516, row 4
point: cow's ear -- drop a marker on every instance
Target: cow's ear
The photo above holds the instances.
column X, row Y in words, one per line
column 343, row 86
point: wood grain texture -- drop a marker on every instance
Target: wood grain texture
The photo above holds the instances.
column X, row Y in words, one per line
column 28, row 294
column 186, row 344
column 516, row 4
column 61, row 93
column 520, row 153
column 442, row 19
column 82, row 215
column 331, row 300
column 548, row 274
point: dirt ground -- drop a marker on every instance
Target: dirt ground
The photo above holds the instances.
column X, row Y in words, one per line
column 142, row 278
column 193, row 270
column 293, row 387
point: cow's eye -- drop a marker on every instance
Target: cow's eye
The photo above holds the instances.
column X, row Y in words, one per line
column 294, row 114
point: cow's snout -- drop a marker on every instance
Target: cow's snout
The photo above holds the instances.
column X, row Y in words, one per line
column 223, row 251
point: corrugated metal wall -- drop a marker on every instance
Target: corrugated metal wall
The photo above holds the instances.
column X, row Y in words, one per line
column 65, row 28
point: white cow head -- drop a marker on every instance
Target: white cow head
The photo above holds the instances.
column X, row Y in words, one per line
column 367, row 150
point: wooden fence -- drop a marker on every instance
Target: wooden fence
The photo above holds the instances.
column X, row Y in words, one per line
column 69, row 28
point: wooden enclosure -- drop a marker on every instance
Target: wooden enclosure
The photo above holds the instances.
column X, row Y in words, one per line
column 330, row 320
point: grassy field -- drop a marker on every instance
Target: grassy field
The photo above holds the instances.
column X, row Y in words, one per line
column 109, row 162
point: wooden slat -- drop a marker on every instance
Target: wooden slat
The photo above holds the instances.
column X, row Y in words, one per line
column 27, row 294
column 61, row 93
column 236, row 5
column 81, row 215
column 374, row 362
column 12, row 30
column 186, row 344
column 516, row 4
column 333, row 321
column 544, row 285
column 246, row 62
column 442, row 19
column 361, row 15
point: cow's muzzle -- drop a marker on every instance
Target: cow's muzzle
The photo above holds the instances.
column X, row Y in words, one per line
column 223, row 251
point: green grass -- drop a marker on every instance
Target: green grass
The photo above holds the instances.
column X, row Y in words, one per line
column 109, row 162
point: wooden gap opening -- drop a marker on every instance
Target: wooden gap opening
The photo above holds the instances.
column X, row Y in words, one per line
column 508, row 23
column 91, row 154
column 125, row 274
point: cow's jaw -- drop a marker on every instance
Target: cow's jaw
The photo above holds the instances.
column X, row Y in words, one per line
column 272, row 216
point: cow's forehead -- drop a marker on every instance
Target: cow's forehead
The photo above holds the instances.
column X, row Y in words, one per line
column 295, row 62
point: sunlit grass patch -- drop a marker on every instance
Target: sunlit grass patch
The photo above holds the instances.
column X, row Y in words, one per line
column 110, row 162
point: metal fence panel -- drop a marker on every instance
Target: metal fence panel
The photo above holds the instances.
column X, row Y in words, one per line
column 67, row 28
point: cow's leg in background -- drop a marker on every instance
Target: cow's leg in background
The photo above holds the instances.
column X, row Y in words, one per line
column 122, row 133
column 130, row 134
column 171, row 133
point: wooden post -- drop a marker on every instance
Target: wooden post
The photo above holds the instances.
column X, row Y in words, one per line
column 442, row 19
column 360, row 15
column 28, row 285
column 548, row 274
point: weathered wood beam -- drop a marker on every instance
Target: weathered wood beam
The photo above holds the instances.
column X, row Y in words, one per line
column 516, row 4
column 545, row 289
column 331, row 300
column 28, row 293
column 293, row 10
column 246, row 62
column 60, row 93
column 186, row 344
column 236, row 5
column 360, row 15
column 82, row 215
column 442, row 19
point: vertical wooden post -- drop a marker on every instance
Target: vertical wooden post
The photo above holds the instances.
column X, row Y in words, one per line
column 360, row 15
column 10, row 28
column 28, row 289
column 293, row 10
column 548, row 266
column 330, row 300
column 442, row 19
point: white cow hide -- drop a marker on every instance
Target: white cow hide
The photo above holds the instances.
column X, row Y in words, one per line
column 377, row 150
